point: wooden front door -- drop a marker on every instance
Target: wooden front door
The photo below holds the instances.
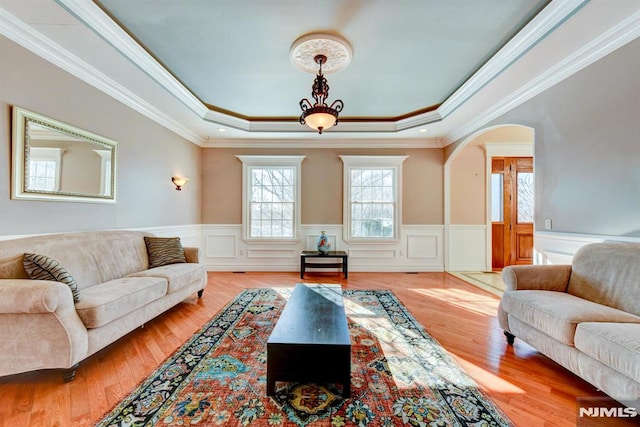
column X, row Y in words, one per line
column 511, row 211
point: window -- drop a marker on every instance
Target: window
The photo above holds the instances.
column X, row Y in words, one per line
column 42, row 175
column 372, row 197
column 44, row 169
column 271, row 197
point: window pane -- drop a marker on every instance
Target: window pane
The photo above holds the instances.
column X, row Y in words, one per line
column 497, row 209
column 42, row 175
column 287, row 193
column 287, row 211
column 387, row 194
column 272, row 202
column 372, row 197
column 525, row 197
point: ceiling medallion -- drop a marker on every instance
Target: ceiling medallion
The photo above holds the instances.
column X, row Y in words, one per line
column 329, row 53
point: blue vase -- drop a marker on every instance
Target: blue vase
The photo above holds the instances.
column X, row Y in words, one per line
column 324, row 245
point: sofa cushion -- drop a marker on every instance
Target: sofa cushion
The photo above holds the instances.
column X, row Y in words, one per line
column 607, row 273
column 617, row 345
column 557, row 313
column 40, row 267
column 111, row 300
column 164, row 251
column 178, row 275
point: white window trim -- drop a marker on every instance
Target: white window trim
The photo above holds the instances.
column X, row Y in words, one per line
column 105, row 171
column 389, row 162
column 248, row 162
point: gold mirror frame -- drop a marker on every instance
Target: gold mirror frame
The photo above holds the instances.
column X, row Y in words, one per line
column 80, row 184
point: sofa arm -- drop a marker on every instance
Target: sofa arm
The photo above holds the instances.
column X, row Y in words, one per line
column 536, row 277
column 40, row 327
column 192, row 254
column 33, row 296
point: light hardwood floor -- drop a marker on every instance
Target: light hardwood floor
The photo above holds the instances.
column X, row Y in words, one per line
column 530, row 388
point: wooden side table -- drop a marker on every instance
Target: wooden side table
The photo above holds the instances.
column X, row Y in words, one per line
column 305, row 255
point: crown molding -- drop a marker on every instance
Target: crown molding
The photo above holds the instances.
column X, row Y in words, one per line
column 263, row 133
column 95, row 18
column 314, row 143
column 227, row 120
column 34, row 41
column 536, row 30
column 419, row 120
column 614, row 38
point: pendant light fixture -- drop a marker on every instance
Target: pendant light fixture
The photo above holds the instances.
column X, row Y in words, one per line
column 318, row 116
column 328, row 53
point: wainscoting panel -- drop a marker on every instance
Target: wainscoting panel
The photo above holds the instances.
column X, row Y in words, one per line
column 220, row 246
column 420, row 248
column 423, row 247
column 372, row 253
column 467, row 247
column 559, row 248
column 272, row 253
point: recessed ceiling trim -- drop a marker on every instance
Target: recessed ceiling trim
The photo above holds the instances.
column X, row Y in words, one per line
column 614, row 38
column 420, row 120
column 227, row 120
column 102, row 24
column 537, row 29
column 34, row 41
column 323, row 143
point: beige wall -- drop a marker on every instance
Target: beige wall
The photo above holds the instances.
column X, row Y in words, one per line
column 148, row 154
column 468, row 173
column 322, row 184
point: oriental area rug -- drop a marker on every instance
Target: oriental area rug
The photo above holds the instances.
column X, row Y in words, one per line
column 400, row 376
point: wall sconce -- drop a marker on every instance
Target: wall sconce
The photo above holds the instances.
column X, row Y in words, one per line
column 179, row 181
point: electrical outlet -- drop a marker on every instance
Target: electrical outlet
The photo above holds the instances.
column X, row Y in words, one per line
column 547, row 224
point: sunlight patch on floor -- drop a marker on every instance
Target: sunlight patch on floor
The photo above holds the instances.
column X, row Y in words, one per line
column 488, row 380
column 470, row 301
column 488, row 281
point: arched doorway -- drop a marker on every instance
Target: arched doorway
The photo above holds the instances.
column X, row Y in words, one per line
column 468, row 216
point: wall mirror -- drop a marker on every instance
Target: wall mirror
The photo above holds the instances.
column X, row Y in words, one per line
column 52, row 160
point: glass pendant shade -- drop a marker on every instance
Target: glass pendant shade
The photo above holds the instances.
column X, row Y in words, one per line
column 320, row 121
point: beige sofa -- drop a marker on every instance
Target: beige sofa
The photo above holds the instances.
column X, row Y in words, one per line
column 585, row 316
column 41, row 326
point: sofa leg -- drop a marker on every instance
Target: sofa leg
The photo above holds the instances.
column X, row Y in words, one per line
column 200, row 292
column 510, row 337
column 70, row 374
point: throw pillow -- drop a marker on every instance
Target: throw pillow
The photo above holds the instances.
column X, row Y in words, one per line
column 41, row 267
column 164, row 250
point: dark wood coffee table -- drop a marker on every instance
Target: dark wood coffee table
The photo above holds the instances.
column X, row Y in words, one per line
column 310, row 342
